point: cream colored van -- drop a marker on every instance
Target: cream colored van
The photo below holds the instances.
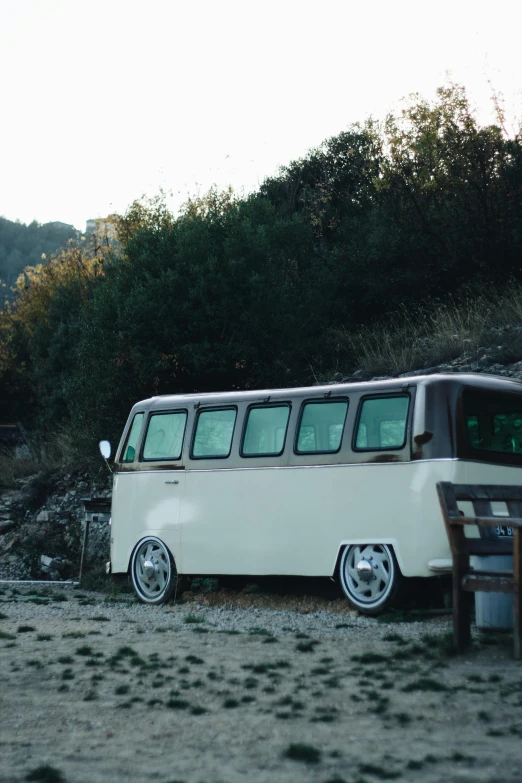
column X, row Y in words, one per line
column 333, row 480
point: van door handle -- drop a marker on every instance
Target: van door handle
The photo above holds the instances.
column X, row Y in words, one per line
column 172, row 482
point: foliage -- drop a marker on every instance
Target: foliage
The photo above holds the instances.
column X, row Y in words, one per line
column 24, row 245
column 279, row 287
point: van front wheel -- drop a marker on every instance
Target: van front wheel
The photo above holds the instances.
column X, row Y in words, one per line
column 153, row 571
column 369, row 576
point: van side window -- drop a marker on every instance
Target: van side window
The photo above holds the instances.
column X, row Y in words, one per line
column 213, row 434
column 321, row 427
column 129, row 450
column 164, row 439
column 494, row 421
column 382, row 423
column 265, row 431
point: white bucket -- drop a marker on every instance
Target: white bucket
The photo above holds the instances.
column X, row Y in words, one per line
column 494, row 610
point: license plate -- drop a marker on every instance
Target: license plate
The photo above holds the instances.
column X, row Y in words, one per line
column 504, row 530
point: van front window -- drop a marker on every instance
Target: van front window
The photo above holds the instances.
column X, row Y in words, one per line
column 129, row 451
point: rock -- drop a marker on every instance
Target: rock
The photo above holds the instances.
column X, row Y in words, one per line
column 43, row 516
column 51, row 564
column 6, row 526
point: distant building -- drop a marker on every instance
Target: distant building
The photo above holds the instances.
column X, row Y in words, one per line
column 102, row 227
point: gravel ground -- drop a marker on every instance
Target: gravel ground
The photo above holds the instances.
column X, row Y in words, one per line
column 105, row 691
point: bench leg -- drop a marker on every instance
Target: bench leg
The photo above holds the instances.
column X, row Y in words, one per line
column 517, row 593
column 462, row 603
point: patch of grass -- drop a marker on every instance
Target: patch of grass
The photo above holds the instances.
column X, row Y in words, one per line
column 65, row 659
column 379, row 772
column 90, row 696
column 43, row 637
column 101, row 618
column 67, row 674
column 425, row 684
column 126, row 652
column 458, row 756
column 258, row 632
column 415, row 764
column 396, row 616
column 3, row 616
column 484, row 716
column 122, row 690
column 84, row 650
column 230, row 704
column 306, row 647
column 73, row 635
column 192, row 619
column 177, row 704
column 194, row 659
column 59, row 597
column 300, row 751
column 197, row 710
column 394, row 637
column 7, row 636
column 25, row 628
column 475, row 678
column 318, row 670
column 370, row 657
column 45, row 773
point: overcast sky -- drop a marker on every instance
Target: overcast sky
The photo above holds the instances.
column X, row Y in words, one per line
column 105, row 101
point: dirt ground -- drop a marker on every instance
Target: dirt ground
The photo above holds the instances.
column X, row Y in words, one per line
column 109, row 691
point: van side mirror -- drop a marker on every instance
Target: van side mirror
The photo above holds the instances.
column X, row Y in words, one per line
column 105, row 449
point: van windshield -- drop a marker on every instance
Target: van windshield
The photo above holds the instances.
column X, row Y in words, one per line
column 493, row 421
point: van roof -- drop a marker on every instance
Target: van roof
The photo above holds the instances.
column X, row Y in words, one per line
column 479, row 380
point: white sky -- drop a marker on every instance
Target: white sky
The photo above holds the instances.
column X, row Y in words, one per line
column 102, row 102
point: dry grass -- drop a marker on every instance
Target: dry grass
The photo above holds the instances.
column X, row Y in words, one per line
column 58, row 454
column 416, row 339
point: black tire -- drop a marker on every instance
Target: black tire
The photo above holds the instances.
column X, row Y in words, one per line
column 374, row 586
column 153, row 572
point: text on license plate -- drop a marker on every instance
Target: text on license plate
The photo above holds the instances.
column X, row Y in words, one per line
column 504, row 530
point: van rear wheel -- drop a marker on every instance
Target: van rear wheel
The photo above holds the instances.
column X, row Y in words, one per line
column 369, row 576
column 153, row 572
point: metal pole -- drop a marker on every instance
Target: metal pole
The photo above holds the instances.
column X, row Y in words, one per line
column 84, row 548
column 37, row 582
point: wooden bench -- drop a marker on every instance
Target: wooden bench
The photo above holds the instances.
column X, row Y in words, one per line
column 466, row 580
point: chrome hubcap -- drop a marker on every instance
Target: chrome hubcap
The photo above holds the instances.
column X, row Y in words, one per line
column 364, row 571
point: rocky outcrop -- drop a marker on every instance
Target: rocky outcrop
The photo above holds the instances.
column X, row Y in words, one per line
column 42, row 524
